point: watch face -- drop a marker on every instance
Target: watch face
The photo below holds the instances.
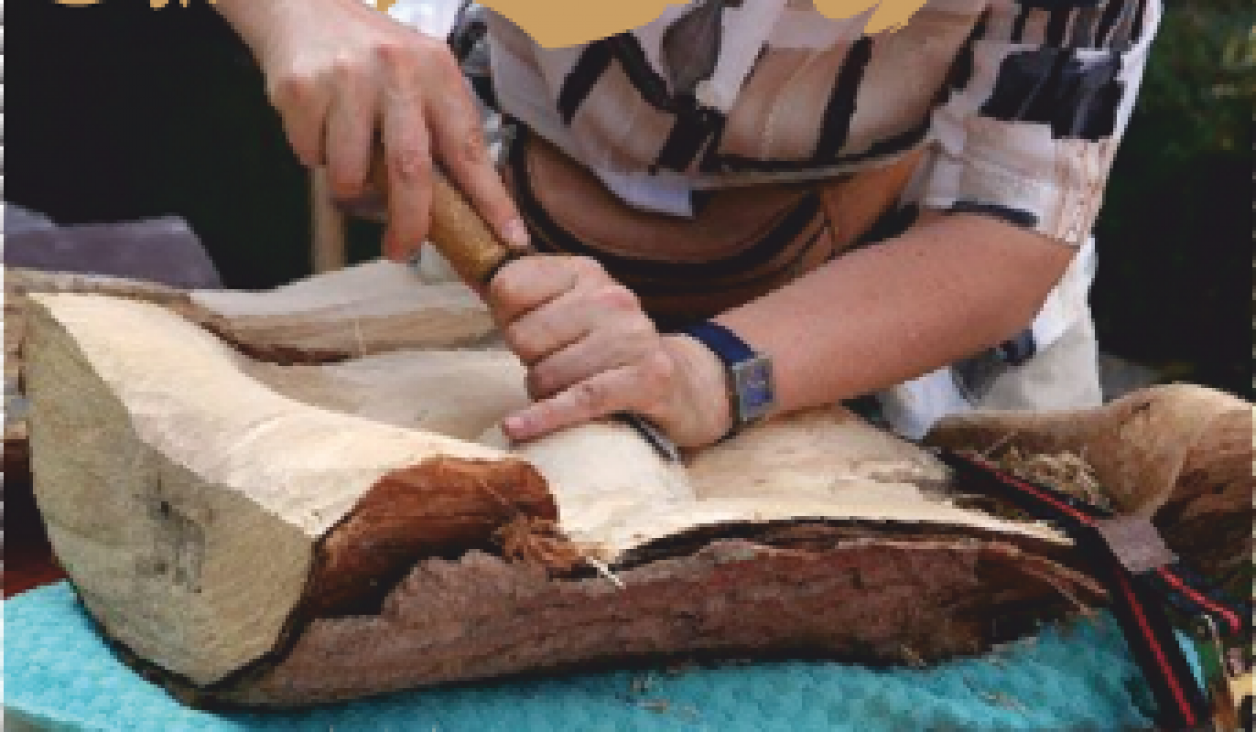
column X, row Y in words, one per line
column 753, row 382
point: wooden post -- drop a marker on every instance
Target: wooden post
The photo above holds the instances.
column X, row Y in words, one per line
column 327, row 226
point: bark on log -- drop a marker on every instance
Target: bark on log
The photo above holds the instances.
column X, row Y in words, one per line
column 274, row 534
column 905, row 601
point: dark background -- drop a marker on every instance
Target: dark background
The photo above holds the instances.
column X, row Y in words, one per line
column 118, row 111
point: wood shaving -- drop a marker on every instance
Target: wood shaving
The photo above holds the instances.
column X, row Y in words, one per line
column 1066, row 472
column 530, row 539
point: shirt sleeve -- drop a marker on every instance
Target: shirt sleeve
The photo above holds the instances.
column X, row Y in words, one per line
column 434, row 18
column 1036, row 110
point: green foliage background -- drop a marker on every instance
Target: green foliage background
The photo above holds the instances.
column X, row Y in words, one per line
column 1175, row 233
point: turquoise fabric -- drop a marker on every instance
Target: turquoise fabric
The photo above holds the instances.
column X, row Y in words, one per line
column 60, row 675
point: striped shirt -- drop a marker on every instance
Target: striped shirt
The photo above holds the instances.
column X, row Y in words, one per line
column 1023, row 103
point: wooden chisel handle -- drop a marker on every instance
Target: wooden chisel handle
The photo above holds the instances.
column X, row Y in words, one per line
column 456, row 230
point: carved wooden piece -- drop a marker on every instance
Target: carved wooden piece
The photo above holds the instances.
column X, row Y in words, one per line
column 371, row 308
column 367, row 309
column 192, row 505
column 17, row 283
column 296, row 534
column 1181, row 455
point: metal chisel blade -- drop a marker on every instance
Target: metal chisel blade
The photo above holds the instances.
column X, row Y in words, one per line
column 653, row 435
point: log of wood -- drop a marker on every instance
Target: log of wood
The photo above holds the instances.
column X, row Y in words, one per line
column 279, row 535
column 370, row 308
column 367, row 309
column 195, row 508
column 18, row 283
column 1180, row 455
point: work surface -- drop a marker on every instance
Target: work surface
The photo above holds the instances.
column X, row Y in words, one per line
column 59, row 674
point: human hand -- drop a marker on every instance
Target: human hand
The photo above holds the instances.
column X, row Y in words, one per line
column 341, row 75
column 591, row 351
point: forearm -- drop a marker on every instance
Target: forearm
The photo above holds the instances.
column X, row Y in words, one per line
column 883, row 315
column 249, row 18
column 255, row 20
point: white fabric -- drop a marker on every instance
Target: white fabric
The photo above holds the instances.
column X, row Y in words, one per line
column 1063, row 374
column 432, row 17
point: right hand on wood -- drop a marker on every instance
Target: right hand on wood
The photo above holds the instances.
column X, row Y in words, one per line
column 591, row 351
column 340, row 73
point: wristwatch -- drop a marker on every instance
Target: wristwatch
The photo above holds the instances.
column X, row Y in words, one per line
column 750, row 389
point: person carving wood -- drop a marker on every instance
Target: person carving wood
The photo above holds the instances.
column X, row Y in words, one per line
column 701, row 170
column 742, row 200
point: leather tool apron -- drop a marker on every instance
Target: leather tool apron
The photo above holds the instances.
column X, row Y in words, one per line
column 741, row 244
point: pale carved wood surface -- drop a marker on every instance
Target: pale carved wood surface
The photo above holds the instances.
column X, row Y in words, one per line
column 370, row 308
column 271, row 534
column 185, row 498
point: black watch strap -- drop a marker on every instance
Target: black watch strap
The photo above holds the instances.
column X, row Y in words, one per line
column 749, row 373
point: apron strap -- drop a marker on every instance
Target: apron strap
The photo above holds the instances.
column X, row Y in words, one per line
column 1137, row 596
column 740, row 244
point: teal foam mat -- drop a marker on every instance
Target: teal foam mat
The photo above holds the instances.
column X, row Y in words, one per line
column 60, row 675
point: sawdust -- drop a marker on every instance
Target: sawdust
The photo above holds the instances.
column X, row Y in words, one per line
column 539, row 541
column 1067, row 472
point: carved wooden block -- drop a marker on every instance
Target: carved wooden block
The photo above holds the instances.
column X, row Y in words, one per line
column 269, row 528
